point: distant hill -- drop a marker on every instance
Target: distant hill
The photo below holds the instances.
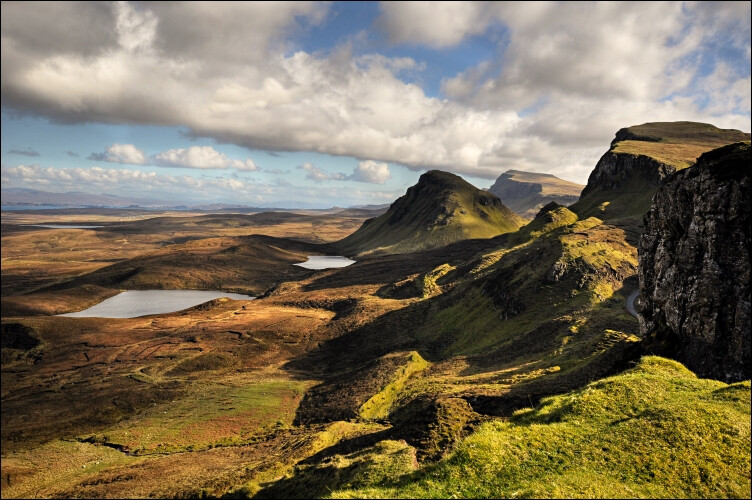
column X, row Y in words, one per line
column 33, row 197
column 440, row 209
column 622, row 184
column 527, row 192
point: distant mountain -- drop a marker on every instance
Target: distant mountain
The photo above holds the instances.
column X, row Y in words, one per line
column 381, row 206
column 640, row 158
column 440, row 209
column 527, row 192
column 33, row 197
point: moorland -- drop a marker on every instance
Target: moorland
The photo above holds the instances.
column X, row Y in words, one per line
column 468, row 352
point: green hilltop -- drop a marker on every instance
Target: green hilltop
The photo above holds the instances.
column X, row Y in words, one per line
column 442, row 208
column 677, row 144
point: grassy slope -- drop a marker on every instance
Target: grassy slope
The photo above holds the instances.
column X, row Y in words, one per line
column 441, row 209
column 594, row 259
column 676, row 143
column 654, row 431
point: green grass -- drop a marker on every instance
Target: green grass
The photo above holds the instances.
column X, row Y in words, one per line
column 212, row 415
column 595, row 257
column 379, row 405
column 440, row 209
column 653, row 431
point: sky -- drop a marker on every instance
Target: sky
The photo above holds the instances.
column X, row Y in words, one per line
column 321, row 104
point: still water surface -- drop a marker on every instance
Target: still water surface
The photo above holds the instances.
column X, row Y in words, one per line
column 325, row 262
column 134, row 303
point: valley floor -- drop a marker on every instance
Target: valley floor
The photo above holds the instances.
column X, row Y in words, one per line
column 488, row 368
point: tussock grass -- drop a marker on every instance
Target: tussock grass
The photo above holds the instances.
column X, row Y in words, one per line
column 653, row 431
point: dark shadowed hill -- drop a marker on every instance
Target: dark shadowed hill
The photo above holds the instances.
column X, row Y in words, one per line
column 440, row 209
column 527, row 192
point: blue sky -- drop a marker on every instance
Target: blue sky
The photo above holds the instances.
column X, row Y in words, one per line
column 317, row 104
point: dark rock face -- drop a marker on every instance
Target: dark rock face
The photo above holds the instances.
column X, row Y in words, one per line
column 695, row 266
column 614, row 170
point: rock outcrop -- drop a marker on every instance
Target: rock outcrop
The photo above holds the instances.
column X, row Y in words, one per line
column 527, row 192
column 694, row 266
column 615, row 170
column 641, row 157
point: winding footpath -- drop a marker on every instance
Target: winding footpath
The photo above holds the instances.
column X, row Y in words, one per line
column 630, row 303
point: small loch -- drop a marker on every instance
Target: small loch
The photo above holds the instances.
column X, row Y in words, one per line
column 135, row 303
column 326, row 262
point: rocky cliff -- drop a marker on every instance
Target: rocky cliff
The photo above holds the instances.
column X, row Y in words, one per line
column 694, row 266
column 640, row 157
column 527, row 192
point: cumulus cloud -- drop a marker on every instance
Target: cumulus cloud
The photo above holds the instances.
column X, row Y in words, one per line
column 121, row 153
column 436, row 24
column 371, row 171
column 317, row 175
column 366, row 171
column 72, row 154
column 570, row 76
column 24, row 152
column 203, row 157
column 199, row 157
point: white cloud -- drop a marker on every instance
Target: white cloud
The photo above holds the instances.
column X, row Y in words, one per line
column 121, row 153
column 572, row 74
column 203, row 157
column 135, row 29
column 315, row 174
column 229, row 190
column 436, row 24
column 371, row 171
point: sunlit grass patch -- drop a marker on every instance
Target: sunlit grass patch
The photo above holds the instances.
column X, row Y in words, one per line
column 52, row 466
column 654, row 431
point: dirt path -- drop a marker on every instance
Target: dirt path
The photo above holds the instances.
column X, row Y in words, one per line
column 630, row 303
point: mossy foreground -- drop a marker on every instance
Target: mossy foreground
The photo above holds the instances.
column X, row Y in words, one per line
column 653, row 431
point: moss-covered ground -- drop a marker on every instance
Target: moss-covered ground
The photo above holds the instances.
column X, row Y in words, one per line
column 654, row 431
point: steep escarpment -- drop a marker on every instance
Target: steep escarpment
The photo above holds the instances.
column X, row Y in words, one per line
column 440, row 209
column 640, row 158
column 694, row 266
column 527, row 192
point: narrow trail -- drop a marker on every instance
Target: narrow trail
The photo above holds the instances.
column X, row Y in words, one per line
column 630, row 303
